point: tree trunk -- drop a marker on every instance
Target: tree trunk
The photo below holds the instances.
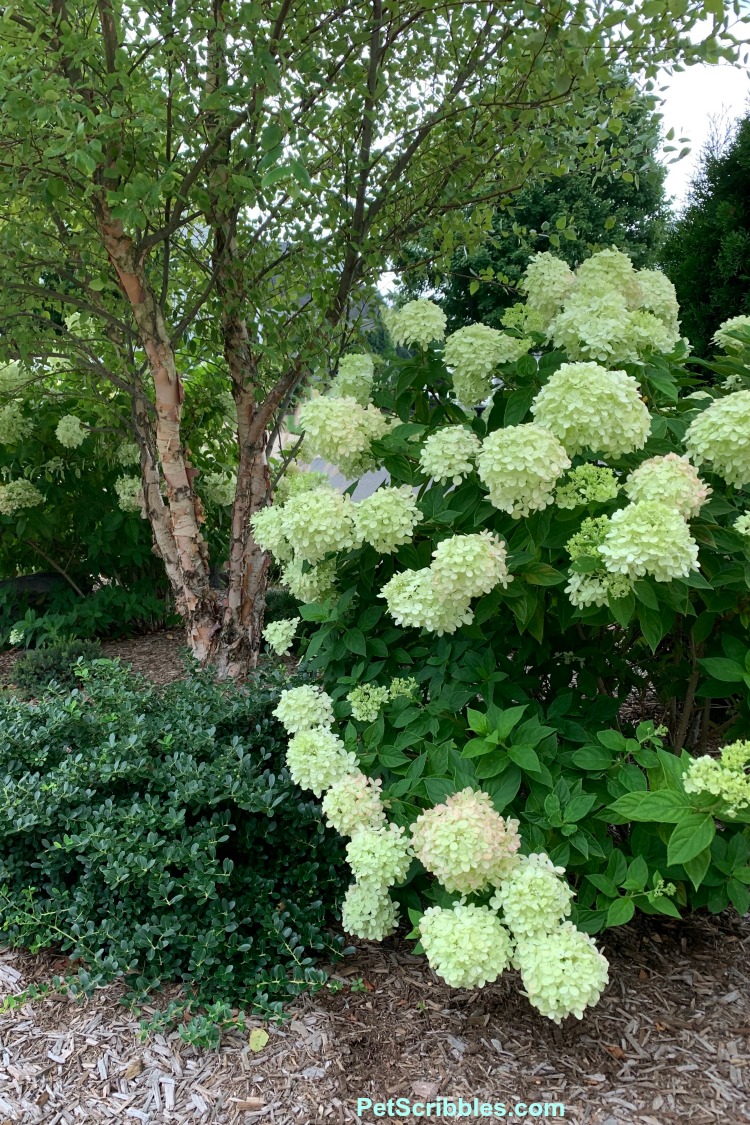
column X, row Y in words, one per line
column 176, row 523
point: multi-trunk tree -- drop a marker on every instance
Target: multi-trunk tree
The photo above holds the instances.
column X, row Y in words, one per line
column 223, row 183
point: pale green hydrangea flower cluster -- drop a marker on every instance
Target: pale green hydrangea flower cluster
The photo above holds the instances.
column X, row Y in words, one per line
column 726, row 777
column 438, row 597
column 720, row 435
column 649, row 538
column 405, row 686
column 127, row 453
column 312, row 585
column 366, row 701
column 129, row 494
column 471, row 355
column 520, row 466
column 354, row 377
column 378, row 854
column 302, row 708
column 656, row 294
column 279, row 635
column 341, row 431
column 547, row 283
column 318, row 523
column 670, row 480
column 448, row 455
column 533, row 899
column 587, row 484
column 296, row 480
column 587, row 407
column 219, row 488
column 353, row 802
column 386, row 520
column 464, row 843
column 368, row 912
column 562, row 971
column 725, row 336
column 596, row 587
column 466, row 945
column 414, row 603
column 522, row 318
column 18, row 494
column 607, row 311
column 465, row 567
column 14, row 426
column 742, row 524
column 420, row 322
column 317, row 758
column 71, row 431
column 12, row 377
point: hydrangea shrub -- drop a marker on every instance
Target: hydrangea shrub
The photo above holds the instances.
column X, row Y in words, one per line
column 575, row 541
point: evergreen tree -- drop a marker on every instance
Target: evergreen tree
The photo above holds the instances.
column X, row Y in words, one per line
column 574, row 215
column 707, row 253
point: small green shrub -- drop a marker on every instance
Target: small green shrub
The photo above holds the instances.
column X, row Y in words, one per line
column 157, row 835
column 110, row 611
column 56, row 662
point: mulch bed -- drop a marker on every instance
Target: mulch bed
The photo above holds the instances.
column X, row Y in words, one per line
column 669, row 1042
column 157, row 656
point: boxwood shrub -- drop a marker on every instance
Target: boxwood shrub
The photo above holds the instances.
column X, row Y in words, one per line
column 156, row 834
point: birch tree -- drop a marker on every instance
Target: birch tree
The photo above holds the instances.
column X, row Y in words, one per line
column 225, row 182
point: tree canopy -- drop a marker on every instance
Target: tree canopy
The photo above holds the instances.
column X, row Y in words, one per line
column 216, row 187
column 707, row 253
column 575, row 214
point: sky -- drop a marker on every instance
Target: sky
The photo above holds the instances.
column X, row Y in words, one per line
column 692, row 100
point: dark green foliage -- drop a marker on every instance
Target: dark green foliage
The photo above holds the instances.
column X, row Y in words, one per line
column 573, row 216
column 33, row 671
column 707, row 254
column 280, row 604
column 110, row 611
column 157, row 834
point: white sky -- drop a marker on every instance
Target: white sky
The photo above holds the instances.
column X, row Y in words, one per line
column 692, row 100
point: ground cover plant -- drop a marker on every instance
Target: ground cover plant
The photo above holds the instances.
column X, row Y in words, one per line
column 157, row 835
column 565, row 532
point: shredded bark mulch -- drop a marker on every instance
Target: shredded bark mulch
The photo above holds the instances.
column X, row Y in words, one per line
column 157, row 656
column 669, row 1042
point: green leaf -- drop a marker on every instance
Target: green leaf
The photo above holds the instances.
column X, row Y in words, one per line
column 518, row 405
column 354, row 639
column 660, row 805
column 637, row 875
column 613, row 740
column 478, row 721
column 504, row 723
column 540, row 574
column 620, row 912
column 577, row 808
column 652, row 626
column 524, row 756
column 477, row 747
column 504, row 789
column 697, row 867
column 728, row 671
column 690, row 837
column 592, row 758
column 438, row 788
column 622, row 609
